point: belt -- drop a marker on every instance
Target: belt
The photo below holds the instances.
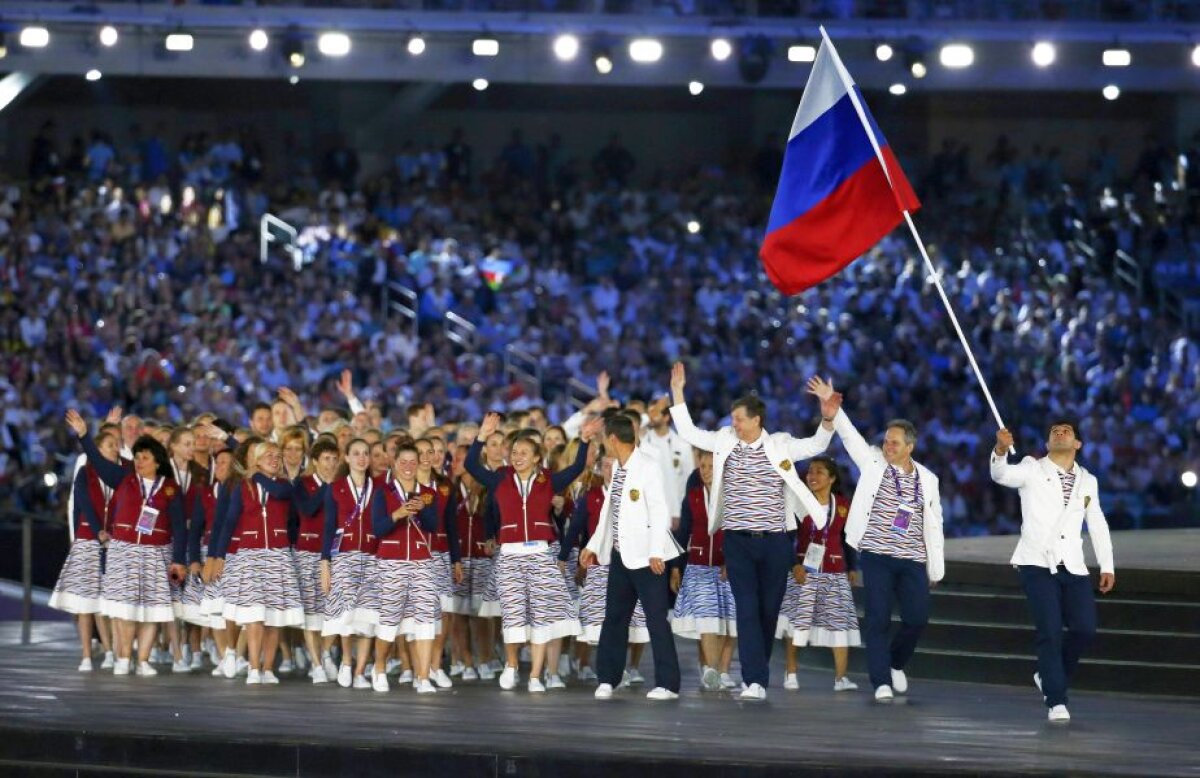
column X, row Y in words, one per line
column 755, row 533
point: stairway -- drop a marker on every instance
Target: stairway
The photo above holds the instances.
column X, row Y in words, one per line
column 980, row 631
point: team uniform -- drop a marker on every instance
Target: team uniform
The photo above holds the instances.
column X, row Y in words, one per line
column 349, row 541
column 705, row 604
column 407, row 571
column 78, row 587
column 821, row 611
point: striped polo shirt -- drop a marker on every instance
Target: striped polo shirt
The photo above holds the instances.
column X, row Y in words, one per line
column 614, row 506
column 1068, row 483
column 880, row 537
column 753, row 490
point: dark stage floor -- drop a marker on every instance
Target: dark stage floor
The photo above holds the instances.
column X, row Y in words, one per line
column 54, row 720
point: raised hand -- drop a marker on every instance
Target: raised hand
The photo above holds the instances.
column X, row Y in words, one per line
column 346, row 383
column 76, row 423
column 488, row 426
column 293, row 402
column 1004, row 441
column 210, row 431
column 429, row 417
column 590, row 429
column 114, row 415
column 819, row 388
column 678, row 377
column 830, row 407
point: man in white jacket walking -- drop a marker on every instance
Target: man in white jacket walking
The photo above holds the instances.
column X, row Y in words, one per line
column 1057, row 497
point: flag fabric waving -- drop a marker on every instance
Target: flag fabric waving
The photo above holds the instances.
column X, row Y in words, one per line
column 835, row 199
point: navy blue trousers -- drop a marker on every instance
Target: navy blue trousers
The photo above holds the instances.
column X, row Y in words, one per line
column 1059, row 599
column 625, row 588
column 886, row 578
column 758, row 568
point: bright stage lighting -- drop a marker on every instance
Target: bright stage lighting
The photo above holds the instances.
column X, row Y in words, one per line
column 1043, row 54
column 801, row 53
column 108, row 36
column 721, row 49
column 259, row 40
column 416, row 45
column 179, row 41
column 35, row 37
column 956, row 56
column 566, row 47
column 884, row 52
column 334, row 44
column 645, row 50
column 485, row 47
column 1116, row 58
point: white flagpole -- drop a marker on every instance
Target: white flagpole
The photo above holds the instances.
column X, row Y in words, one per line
column 933, row 274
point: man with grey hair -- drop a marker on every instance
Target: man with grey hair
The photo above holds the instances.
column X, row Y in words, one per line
column 895, row 524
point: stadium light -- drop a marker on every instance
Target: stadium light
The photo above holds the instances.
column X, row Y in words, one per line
column 1196, row 56
column 918, row 69
column 333, row 44
column 259, row 40
column 485, row 47
column 603, row 62
column 1189, row 479
column 416, row 45
column 179, row 41
column 693, row 226
column 480, row 84
column 108, row 36
column 883, row 52
column 897, row 89
column 35, row 37
column 93, row 75
column 956, row 56
column 1043, row 54
column 645, row 50
column 293, row 79
column 721, row 49
column 1111, row 92
column 801, row 53
column 566, row 47
column 695, row 88
column 1116, row 58
column 50, row 480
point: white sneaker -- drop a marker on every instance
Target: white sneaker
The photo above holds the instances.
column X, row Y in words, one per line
column 754, row 693
column 564, row 666
column 145, row 668
column 345, row 676
column 469, row 674
column 555, row 682
column 424, row 686
column 486, row 673
column 440, row 678
column 405, row 677
column 85, row 666
column 604, row 691
column 1058, row 714
column 287, row 666
column 218, row 672
column 790, row 682
column 392, row 667
column 844, row 684
column 229, row 663
column 197, row 661
column 269, row 677
column 456, row 669
column 727, row 681
column 883, row 694
column 710, row 679
column 380, row 683
column 243, row 666
column 107, row 664
column 214, row 656
column 182, row 666
column 509, row 678
column 253, row 677
column 635, row 677
column 899, row 681
column 586, row 673
column 536, row 686
column 361, row 682
column 318, row 675
column 625, row 682
column 659, row 693
column 121, row 667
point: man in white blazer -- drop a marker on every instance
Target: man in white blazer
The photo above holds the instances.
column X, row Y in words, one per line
column 756, row 495
column 895, row 524
column 634, row 539
column 1057, row 496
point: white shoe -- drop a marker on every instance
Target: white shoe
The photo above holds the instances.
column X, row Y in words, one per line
column 269, row 677
column 883, row 694
column 790, row 682
column 213, row 655
column 727, row 681
column 844, row 684
column 536, row 686
column 107, row 664
column 243, row 666
column 197, row 661
column 331, row 670
column 218, row 672
column 456, row 669
column 899, row 681
column 424, row 686
column 1058, row 714
column 318, row 675
column 625, row 682
column 440, row 678
column 229, row 663
column 586, row 673
column 754, row 693
column 380, row 683
column 635, row 677
column 604, row 691
column 145, row 668
column 405, row 677
column 392, row 667
column 287, row 666
column 486, row 673
column 182, row 666
column 469, row 674
column 659, row 693
column 555, row 682
column 710, row 679
column 361, row 682
column 121, row 667
column 253, row 677
column 345, row 676
column 85, row 666
column 509, row 678
column 564, row 666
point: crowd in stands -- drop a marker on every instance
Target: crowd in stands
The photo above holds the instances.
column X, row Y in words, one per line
column 130, row 275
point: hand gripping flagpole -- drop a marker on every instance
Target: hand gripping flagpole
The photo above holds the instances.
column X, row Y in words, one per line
column 933, row 273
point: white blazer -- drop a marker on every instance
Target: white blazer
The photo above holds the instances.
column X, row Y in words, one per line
column 645, row 522
column 1050, row 531
column 782, row 451
column 674, row 456
column 871, row 469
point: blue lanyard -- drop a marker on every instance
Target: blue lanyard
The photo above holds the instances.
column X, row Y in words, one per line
column 916, row 485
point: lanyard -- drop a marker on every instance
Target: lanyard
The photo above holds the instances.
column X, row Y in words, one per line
column 404, row 497
column 360, row 499
column 148, row 496
column 184, row 477
column 261, row 492
column 823, row 533
column 916, row 485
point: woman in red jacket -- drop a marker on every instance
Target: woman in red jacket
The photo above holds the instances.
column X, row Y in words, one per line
column 446, row 555
column 148, row 546
column 309, row 497
column 192, row 480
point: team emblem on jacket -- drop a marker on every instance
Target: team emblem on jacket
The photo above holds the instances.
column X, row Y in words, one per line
column 169, row 492
column 541, row 479
column 445, row 490
column 786, row 465
column 634, row 494
column 427, row 498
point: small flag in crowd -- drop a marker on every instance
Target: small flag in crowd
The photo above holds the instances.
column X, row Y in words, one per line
column 835, row 200
column 494, row 271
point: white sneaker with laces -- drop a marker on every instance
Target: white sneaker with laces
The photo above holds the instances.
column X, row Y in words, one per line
column 469, row 674
column 107, row 664
column 424, row 686
column 625, row 682
column 710, row 679
column 345, row 676
column 883, row 694
column 727, row 681
column 300, row 657
column 509, row 678
column 229, row 663
column 197, row 661
column 486, row 673
column 121, row 667
column 380, row 682
column 144, row 668
column 85, row 666
column 182, row 666
column 253, row 677
column 754, row 693
column 899, row 681
column 243, row 666
column 217, row 672
column 844, row 684
column 586, row 673
column 318, row 675
column 536, row 686
column 361, row 682
column 635, row 676
column 790, row 682
column 439, row 677
column 1058, row 714
column 405, row 677
column 331, row 670
column 660, row 693
column 604, row 691
column 456, row 669
column 214, row 655
column 269, row 677
column 555, row 682
column 287, row 666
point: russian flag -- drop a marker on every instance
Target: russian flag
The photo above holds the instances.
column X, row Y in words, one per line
column 835, row 200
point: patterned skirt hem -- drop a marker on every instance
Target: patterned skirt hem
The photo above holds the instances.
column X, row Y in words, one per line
column 826, row 638
column 270, row 617
column 140, row 613
column 409, row 629
column 74, row 603
column 591, row 635
column 693, row 627
column 544, row 633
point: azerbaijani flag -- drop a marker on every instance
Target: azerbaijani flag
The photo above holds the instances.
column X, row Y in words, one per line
column 841, row 189
column 494, row 271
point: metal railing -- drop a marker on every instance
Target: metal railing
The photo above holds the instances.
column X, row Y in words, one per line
column 1127, row 270
column 26, row 521
column 459, row 331
column 579, row 394
column 400, row 300
column 272, row 229
column 523, row 366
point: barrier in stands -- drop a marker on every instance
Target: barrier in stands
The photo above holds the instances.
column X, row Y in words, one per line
column 459, row 331
column 405, row 305
column 272, row 229
column 521, row 365
column 579, row 394
column 1127, row 270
